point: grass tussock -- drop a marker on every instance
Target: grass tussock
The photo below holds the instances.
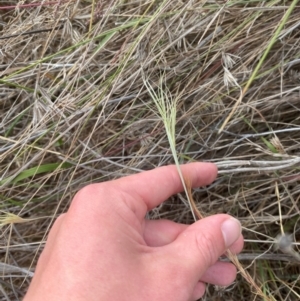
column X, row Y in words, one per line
column 77, row 80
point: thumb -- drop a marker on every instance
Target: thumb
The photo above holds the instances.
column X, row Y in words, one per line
column 201, row 244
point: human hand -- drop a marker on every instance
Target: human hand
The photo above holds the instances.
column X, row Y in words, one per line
column 104, row 249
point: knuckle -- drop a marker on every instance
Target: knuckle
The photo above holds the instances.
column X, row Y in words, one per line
column 83, row 195
column 207, row 246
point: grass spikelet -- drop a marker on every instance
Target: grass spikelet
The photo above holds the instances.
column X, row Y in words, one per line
column 73, row 113
column 167, row 109
column 167, row 112
column 7, row 218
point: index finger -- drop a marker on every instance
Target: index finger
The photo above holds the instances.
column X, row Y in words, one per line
column 153, row 187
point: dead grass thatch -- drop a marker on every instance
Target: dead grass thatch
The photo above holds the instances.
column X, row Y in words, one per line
column 75, row 109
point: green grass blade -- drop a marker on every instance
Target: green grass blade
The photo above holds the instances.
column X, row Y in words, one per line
column 46, row 168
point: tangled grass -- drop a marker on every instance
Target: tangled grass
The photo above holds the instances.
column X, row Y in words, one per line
column 75, row 109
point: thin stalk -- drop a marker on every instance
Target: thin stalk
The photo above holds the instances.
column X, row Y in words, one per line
column 167, row 112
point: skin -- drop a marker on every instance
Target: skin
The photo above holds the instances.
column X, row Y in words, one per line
column 104, row 249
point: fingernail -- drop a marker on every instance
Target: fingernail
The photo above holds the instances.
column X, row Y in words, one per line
column 231, row 230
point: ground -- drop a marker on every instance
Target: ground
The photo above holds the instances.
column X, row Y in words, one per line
column 92, row 90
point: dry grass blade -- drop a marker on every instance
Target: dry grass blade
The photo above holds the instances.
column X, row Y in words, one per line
column 261, row 61
column 257, row 290
column 232, row 257
column 75, row 110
